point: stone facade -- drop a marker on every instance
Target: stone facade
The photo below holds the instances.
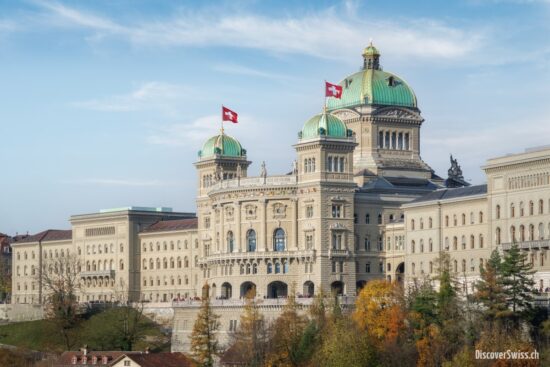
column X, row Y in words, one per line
column 360, row 204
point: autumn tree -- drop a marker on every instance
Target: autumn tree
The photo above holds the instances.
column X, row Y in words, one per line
column 204, row 342
column 286, row 335
column 378, row 311
column 490, row 290
column 60, row 279
column 250, row 339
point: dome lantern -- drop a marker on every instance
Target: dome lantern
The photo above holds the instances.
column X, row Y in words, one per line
column 371, row 57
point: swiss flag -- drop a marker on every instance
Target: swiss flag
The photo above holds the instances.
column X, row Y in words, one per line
column 333, row 90
column 228, row 115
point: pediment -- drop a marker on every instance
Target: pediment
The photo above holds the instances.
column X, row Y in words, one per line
column 345, row 114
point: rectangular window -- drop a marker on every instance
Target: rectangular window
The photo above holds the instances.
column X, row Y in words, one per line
column 309, row 211
column 367, row 268
column 337, row 211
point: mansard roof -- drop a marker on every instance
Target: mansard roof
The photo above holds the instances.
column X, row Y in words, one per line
column 172, row 225
column 453, row 193
column 48, row 235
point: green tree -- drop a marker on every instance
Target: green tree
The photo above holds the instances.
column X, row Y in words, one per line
column 517, row 274
column 204, row 342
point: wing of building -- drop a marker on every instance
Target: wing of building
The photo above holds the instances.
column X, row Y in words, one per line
column 360, row 204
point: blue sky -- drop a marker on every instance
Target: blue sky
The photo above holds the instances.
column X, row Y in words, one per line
column 106, row 103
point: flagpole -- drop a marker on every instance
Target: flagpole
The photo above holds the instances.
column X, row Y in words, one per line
column 325, row 95
column 221, row 122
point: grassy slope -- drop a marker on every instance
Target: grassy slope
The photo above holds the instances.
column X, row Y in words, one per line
column 41, row 335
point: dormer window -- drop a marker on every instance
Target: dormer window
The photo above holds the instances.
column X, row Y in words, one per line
column 391, row 81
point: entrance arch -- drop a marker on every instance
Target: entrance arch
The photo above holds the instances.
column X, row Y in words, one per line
column 248, row 287
column 309, row 289
column 400, row 272
column 227, row 291
column 277, row 289
column 337, row 288
column 360, row 284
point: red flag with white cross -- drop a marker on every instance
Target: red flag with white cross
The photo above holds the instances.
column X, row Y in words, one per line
column 333, row 90
column 228, row 115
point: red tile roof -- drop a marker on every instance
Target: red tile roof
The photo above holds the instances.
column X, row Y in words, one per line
column 48, row 235
column 172, row 225
column 161, row 360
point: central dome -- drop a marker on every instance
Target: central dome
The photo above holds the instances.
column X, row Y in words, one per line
column 222, row 145
column 373, row 86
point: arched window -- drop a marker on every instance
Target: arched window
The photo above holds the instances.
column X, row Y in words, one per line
column 513, row 233
column 186, row 262
column 463, row 265
column 522, row 233
column 430, row 222
column 379, row 218
column 463, row 219
column 421, row 245
column 541, row 231
column 151, row 264
column 269, row 268
column 498, row 236
column 480, row 241
column 455, row 243
column 158, row 263
column 531, row 232
column 251, row 240
column 421, row 223
column 179, row 262
column 531, row 208
column 480, row 217
column 412, row 247
column 446, row 221
column 472, row 241
column 497, row 212
column 121, row 265
column 455, row 266
column 541, row 206
column 521, row 209
column 512, row 210
column 279, row 240
column 412, row 224
column 367, row 219
column 431, row 245
column 230, row 242
column 463, row 242
column 277, row 267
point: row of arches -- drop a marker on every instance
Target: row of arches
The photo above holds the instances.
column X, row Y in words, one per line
column 279, row 240
column 275, row 289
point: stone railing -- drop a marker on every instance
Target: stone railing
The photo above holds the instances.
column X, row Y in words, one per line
column 98, row 273
column 303, row 301
column 338, row 253
column 254, row 182
column 258, row 255
column 528, row 245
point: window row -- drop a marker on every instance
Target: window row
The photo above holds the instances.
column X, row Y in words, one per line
column 524, row 209
column 336, row 163
column 465, row 266
column 463, row 242
column 522, row 233
column 168, row 263
column 480, row 219
column 396, row 140
column 379, row 218
column 166, row 281
column 309, row 165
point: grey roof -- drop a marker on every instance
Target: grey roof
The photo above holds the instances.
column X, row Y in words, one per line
column 444, row 194
column 418, row 186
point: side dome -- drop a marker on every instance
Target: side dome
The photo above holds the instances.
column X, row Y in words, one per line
column 222, row 145
column 324, row 124
column 373, row 86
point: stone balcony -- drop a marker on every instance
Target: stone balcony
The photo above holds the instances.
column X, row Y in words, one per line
column 251, row 182
column 338, row 252
column 528, row 245
column 258, row 255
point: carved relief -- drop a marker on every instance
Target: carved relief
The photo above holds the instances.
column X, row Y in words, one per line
column 279, row 210
column 250, row 211
column 345, row 114
column 229, row 212
column 397, row 113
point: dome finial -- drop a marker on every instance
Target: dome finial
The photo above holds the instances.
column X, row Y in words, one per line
column 371, row 57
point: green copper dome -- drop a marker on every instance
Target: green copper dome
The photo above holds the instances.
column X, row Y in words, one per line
column 373, row 86
column 222, row 145
column 324, row 124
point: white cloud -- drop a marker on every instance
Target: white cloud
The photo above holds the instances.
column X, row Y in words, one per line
column 151, row 95
column 328, row 33
column 243, row 70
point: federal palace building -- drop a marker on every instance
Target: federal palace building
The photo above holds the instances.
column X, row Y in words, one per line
column 359, row 204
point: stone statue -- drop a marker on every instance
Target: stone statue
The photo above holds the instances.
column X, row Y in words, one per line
column 219, row 173
column 239, row 171
column 455, row 171
column 263, row 171
column 295, row 167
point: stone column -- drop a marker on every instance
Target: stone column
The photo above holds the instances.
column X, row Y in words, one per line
column 295, row 223
column 263, row 225
column 222, row 233
column 238, row 223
